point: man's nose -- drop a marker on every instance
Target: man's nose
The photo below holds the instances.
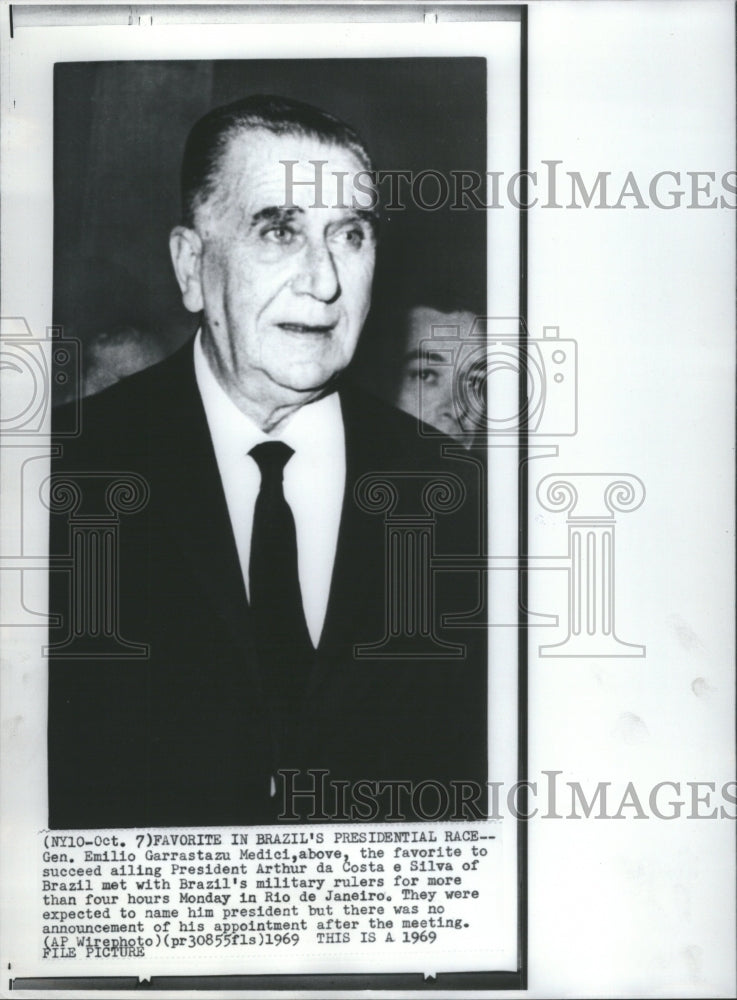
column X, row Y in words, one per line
column 317, row 275
column 441, row 411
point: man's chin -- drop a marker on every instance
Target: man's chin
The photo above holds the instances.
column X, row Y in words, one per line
column 308, row 382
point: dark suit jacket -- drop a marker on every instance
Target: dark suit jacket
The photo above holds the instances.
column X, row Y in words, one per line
column 185, row 736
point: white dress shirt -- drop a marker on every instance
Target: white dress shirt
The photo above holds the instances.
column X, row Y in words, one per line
column 314, row 481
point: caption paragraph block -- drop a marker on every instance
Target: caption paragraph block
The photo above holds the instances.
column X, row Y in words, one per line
column 131, row 895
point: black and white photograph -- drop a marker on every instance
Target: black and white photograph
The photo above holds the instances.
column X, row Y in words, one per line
column 264, row 621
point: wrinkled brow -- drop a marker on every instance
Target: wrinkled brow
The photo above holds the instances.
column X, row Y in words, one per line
column 283, row 214
column 275, row 213
column 418, row 354
column 369, row 215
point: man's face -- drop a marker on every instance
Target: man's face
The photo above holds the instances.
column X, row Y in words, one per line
column 285, row 286
column 433, row 365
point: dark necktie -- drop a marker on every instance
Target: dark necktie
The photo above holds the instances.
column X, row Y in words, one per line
column 275, row 597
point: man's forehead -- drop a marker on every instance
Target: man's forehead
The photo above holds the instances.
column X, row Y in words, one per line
column 269, row 170
column 424, row 321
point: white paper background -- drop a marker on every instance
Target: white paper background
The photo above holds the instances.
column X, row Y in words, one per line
column 640, row 907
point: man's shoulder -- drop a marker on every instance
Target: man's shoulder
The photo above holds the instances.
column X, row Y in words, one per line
column 392, row 456
column 386, row 431
column 146, row 387
column 121, row 416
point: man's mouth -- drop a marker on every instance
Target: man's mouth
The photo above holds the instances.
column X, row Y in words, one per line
column 315, row 328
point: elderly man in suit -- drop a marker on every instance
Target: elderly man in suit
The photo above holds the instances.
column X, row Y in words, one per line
column 257, row 573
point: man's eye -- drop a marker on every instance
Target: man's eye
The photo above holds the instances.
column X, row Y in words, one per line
column 279, row 234
column 427, row 375
column 352, row 236
column 355, row 237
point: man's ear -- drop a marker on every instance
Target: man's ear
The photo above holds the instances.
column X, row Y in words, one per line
column 185, row 247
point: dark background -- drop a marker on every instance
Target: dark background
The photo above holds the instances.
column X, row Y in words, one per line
column 119, row 131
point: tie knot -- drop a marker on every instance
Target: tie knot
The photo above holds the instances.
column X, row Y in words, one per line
column 271, row 457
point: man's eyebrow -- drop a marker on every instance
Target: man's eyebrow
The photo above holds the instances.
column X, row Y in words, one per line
column 284, row 214
column 354, row 215
column 369, row 215
column 274, row 213
column 418, row 354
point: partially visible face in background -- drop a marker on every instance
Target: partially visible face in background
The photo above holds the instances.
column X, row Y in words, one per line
column 114, row 355
column 438, row 373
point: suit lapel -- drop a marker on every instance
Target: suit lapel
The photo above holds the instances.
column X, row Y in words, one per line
column 190, row 502
column 360, row 549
